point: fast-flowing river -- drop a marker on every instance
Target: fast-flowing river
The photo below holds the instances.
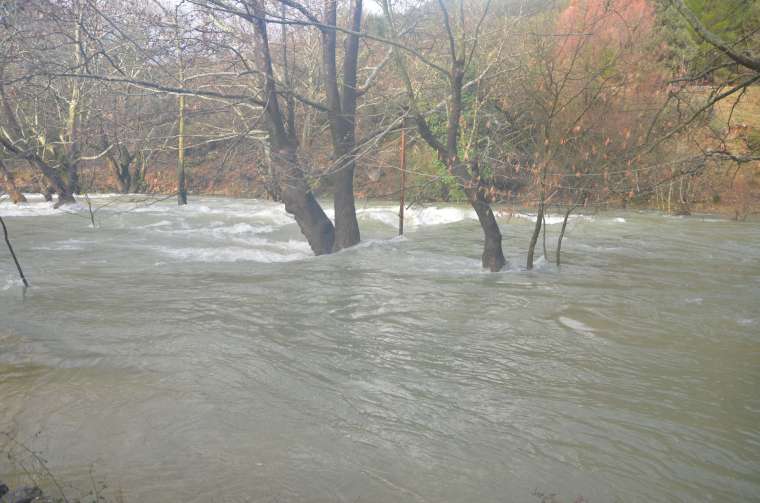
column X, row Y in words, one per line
column 202, row 354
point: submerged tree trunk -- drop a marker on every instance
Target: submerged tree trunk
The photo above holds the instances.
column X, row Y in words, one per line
column 47, row 192
column 181, row 190
column 63, row 188
column 562, row 231
column 346, row 225
column 70, row 186
column 13, row 254
column 493, row 255
column 536, row 233
column 341, row 101
column 123, row 176
column 10, row 185
column 301, row 203
column 543, row 235
column 293, row 184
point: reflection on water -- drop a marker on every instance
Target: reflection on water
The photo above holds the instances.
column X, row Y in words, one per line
column 202, row 354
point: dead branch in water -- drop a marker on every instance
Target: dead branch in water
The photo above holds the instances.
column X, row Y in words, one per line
column 13, row 254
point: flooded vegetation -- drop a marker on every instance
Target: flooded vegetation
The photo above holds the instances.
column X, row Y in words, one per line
column 203, row 353
column 379, row 251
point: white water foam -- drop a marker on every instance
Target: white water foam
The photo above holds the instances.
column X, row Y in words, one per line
column 291, row 251
column 553, row 219
column 11, row 283
column 162, row 223
column 66, row 245
column 31, row 209
column 417, row 217
column 576, row 326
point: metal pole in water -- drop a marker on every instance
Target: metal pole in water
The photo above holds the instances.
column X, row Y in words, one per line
column 13, row 254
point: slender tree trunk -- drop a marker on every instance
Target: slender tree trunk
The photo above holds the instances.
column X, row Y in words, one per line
column 181, row 190
column 536, row 232
column 10, row 185
column 403, row 182
column 13, row 254
column 562, row 231
column 543, row 234
column 670, row 194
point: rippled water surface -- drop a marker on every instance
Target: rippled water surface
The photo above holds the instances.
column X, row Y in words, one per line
column 202, row 354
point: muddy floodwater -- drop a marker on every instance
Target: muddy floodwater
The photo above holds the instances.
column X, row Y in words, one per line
column 202, row 354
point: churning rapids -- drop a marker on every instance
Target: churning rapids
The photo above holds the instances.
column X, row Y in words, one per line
column 202, row 354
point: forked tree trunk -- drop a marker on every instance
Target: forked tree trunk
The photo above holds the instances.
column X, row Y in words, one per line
column 47, row 192
column 64, row 188
column 69, row 188
column 65, row 196
column 123, row 176
column 10, row 185
column 295, row 191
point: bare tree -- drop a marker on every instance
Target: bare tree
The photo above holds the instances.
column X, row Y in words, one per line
column 462, row 39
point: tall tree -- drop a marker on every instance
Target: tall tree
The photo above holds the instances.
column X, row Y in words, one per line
column 462, row 42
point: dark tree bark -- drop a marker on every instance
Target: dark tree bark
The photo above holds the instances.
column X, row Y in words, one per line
column 121, row 163
column 341, row 102
column 493, row 256
column 562, row 232
column 47, row 191
column 295, row 191
column 10, row 185
column 536, row 232
column 63, row 187
column 448, row 153
column 13, row 254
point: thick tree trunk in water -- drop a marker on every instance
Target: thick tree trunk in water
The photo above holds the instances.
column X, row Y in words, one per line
column 341, row 114
column 65, row 196
column 47, row 193
column 301, row 203
column 346, row 226
column 536, row 232
column 292, row 181
column 69, row 188
column 123, row 176
column 493, row 255
column 10, row 185
column 63, row 188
